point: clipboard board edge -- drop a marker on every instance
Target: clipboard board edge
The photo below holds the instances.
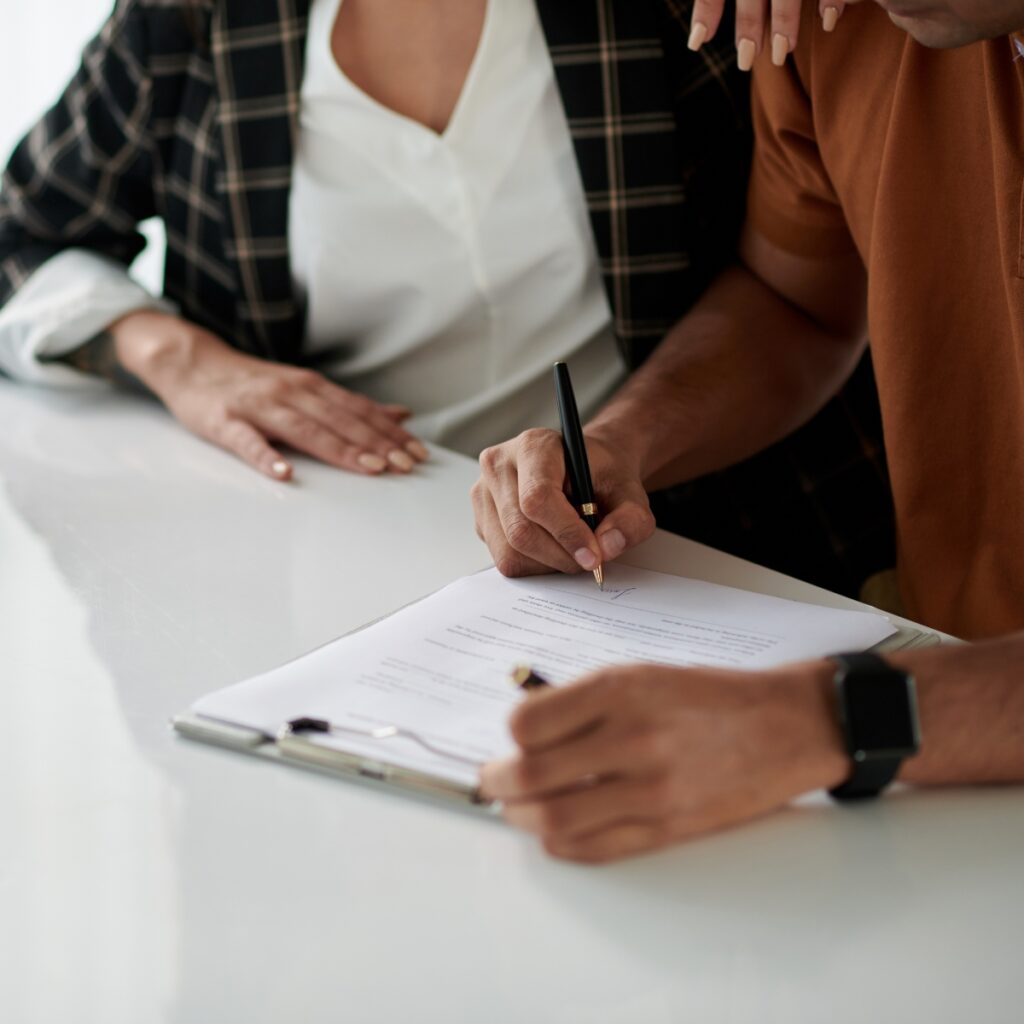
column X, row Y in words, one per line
column 328, row 761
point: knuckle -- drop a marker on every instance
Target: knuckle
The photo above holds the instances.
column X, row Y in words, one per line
column 490, row 459
column 529, row 774
column 535, row 499
column 534, row 437
column 570, row 538
column 361, row 406
column 638, row 520
column 749, row 25
column 663, row 749
column 297, row 426
column 304, row 378
column 508, row 563
column 520, row 532
column 273, row 389
column 659, row 794
column 522, row 723
column 218, row 422
column 553, row 818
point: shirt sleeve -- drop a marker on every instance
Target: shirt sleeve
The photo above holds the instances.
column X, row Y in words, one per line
column 83, row 176
column 791, row 199
column 68, row 300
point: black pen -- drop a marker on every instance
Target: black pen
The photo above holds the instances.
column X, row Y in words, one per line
column 576, row 455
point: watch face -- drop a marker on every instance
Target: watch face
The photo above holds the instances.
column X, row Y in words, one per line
column 881, row 713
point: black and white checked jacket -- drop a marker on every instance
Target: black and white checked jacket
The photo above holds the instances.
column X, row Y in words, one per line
column 188, row 109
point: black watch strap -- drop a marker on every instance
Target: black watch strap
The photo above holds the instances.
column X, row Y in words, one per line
column 867, row 779
column 878, row 717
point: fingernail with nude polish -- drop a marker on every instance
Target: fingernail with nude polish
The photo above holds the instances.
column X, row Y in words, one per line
column 279, row 468
column 698, row 34
column 417, row 450
column 829, row 17
column 746, row 51
column 780, row 49
column 400, row 460
column 585, row 559
column 612, row 544
column 374, row 463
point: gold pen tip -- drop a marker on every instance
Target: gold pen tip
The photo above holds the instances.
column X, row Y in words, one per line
column 525, row 678
column 599, row 576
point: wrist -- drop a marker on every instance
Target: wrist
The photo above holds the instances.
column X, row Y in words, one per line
column 153, row 346
column 650, row 433
column 821, row 757
column 624, row 431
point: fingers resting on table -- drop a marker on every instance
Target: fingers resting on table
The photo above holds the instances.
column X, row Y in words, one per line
column 248, row 405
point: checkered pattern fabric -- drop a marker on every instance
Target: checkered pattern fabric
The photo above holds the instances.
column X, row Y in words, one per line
column 193, row 117
column 188, row 109
column 661, row 137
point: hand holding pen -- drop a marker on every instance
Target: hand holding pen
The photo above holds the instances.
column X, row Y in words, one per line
column 528, row 521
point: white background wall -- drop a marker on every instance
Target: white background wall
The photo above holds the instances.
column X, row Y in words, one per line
column 40, row 44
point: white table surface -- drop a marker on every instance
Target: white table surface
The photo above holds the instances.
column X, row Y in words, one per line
column 144, row 878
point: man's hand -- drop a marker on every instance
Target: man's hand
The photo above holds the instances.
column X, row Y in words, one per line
column 756, row 21
column 637, row 757
column 242, row 403
column 525, row 518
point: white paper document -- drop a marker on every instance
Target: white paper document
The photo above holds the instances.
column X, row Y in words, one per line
column 427, row 688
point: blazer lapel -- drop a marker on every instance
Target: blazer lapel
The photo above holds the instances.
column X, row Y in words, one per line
column 258, row 49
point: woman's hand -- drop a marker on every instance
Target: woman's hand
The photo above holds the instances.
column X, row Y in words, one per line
column 243, row 404
column 757, row 21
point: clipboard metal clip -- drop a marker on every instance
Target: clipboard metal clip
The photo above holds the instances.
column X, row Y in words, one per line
column 292, row 742
column 297, row 726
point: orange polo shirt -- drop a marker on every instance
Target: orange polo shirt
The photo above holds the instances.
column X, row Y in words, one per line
column 915, row 158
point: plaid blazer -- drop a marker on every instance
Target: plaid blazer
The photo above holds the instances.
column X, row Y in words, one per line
column 188, row 109
column 193, row 118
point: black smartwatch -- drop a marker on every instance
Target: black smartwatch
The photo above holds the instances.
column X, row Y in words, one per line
column 878, row 717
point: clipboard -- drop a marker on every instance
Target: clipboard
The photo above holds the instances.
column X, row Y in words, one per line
column 443, row 768
column 295, row 744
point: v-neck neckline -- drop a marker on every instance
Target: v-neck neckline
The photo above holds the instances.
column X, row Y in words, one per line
column 465, row 93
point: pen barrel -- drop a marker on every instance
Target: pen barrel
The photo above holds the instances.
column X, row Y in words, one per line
column 572, row 440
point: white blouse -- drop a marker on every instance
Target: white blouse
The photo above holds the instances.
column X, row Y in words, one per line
column 444, row 272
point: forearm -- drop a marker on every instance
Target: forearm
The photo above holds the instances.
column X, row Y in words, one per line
column 744, row 368
column 971, row 709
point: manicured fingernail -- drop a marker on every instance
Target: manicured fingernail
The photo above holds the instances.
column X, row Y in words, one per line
column 586, row 559
column 374, row 463
column 829, row 17
column 612, row 544
column 400, row 460
column 698, row 34
column 780, row 49
column 279, row 468
column 417, row 450
column 746, row 51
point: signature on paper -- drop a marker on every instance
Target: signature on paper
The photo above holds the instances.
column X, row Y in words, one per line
column 618, row 592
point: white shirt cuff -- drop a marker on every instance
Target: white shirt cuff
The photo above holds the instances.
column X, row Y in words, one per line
column 66, row 302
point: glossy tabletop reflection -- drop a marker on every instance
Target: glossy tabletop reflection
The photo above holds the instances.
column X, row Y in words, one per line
column 144, row 878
